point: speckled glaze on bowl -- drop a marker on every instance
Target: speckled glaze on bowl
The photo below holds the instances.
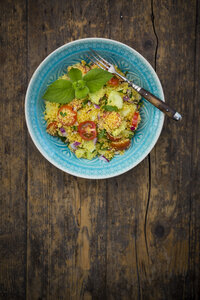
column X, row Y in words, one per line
column 56, row 65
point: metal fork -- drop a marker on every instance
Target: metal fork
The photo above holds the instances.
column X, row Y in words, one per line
column 161, row 105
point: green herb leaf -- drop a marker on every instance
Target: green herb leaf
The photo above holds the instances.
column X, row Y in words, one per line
column 63, row 114
column 80, row 84
column 131, row 135
column 85, row 102
column 96, row 78
column 81, row 93
column 63, row 139
column 110, row 108
column 101, row 134
column 60, row 91
column 75, row 74
column 75, row 128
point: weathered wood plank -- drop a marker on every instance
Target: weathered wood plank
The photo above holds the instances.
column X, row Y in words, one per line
column 171, row 217
column 127, row 256
column 13, row 150
column 66, row 215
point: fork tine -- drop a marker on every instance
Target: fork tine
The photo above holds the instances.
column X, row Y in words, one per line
column 95, row 62
column 98, row 60
column 98, row 55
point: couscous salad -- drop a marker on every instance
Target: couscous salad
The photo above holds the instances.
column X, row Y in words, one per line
column 94, row 113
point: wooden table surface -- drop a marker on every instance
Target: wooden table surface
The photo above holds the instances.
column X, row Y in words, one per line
column 135, row 236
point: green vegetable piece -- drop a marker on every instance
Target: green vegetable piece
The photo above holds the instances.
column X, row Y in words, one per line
column 60, row 91
column 96, row 78
column 63, row 139
column 75, row 74
column 63, row 114
column 75, row 128
column 85, row 102
column 101, row 134
column 81, row 93
column 110, row 108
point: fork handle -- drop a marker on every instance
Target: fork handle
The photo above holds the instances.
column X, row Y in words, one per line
column 161, row 105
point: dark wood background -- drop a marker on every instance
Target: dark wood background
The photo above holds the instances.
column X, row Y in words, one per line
column 135, row 236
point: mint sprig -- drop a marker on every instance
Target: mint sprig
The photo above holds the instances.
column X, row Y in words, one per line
column 60, row 91
column 64, row 91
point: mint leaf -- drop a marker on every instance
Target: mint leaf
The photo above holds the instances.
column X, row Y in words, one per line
column 96, row 78
column 60, row 91
column 75, row 74
column 81, row 93
column 80, row 84
column 110, row 108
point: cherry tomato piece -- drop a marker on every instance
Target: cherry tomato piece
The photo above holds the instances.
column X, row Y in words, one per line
column 114, row 81
column 87, row 130
column 52, row 128
column 113, row 138
column 135, row 119
column 121, row 145
column 66, row 115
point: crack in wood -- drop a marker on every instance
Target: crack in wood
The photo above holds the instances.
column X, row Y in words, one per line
column 154, row 30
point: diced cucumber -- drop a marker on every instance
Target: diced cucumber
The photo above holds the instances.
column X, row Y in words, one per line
column 117, row 131
column 80, row 153
column 115, row 99
column 95, row 97
column 89, row 146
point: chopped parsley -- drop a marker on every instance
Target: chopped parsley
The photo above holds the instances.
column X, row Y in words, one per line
column 110, row 108
column 101, row 134
column 63, row 114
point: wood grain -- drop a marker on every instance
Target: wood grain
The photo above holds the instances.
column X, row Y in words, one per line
column 170, row 212
column 13, row 150
column 135, row 236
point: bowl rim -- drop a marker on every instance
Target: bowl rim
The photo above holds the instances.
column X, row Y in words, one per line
column 37, row 70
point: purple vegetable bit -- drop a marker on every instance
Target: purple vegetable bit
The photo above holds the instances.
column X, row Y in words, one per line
column 98, row 116
column 132, row 128
column 103, row 158
column 95, row 141
column 75, row 145
column 126, row 98
column 89, row 103
column 96, row 106
column 89, row 110
column 62, row 130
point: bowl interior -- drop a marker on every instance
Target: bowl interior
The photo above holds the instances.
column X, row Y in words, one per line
column 54, row 66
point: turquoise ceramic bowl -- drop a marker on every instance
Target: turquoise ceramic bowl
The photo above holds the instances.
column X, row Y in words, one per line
column 54, row 66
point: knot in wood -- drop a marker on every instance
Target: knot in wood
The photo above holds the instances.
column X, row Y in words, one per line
column 159, row 231
column 148, row 44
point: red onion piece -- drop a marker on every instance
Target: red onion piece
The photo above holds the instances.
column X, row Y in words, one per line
column 98, row 116
column 95, row 141
column 96, row 106
column 89, row 110
column 132, row 128
column 62, row 130
column 89, row 103
column 103, row 158
column 126, row 98
column 74, row 145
